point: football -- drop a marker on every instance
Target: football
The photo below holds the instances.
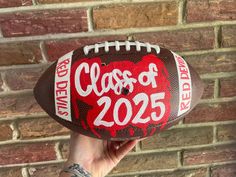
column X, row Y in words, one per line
column 119, row 90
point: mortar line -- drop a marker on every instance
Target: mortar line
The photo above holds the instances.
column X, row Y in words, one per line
column 208, row 172
column 17, row 93
column 5, row 87
column 205, row 124
column 161, row 150
column 90, row 19
column 27, row 66
column 150, row 1
column 34, row 2
column 124, row 31
column 34, row 164
column 218, row 100
column 217, row 88
column 176, row 149
column 138, row 147
column 47, row 139
column 50, row 162
column 56, row 6
column 193, row 167
column 43, row 52
column 215, row 140
column 217, row 36
column 31, row 116
column 218, row 75
column 209, row 51
column 182, row 11
column 130, row 38
column 24, row 172
column 15, row 131
column 73, row 5
column 58, row 151
column 180, row 158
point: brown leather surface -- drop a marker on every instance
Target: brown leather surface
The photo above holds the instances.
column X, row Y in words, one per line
column 44, row 89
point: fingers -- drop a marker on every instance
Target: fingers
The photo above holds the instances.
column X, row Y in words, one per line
column 118, row 144
column 125, row 148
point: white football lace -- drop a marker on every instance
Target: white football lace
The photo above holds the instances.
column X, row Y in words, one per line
column 118, row 44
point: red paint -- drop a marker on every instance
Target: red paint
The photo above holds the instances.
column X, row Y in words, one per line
column 163, row 85
column 131, row 131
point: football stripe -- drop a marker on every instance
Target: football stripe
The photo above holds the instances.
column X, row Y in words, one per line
column 62, row 87
column 185, row 84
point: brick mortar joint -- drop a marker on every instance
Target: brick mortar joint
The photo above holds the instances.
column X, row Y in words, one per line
column 36, row 164
column 90, row 20
column 123, row 31
column 192, row 167
column 43, row 51
column 15, row 131
column 181, row 12
column 5, row 87
column 72, row 5
column 58, row 150
column 24, row 172
column 217, row 32
column 142, row 152
column 217, row 88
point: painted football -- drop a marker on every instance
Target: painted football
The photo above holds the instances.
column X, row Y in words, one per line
column 119, row 90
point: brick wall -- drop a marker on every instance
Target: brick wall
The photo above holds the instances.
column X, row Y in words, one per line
column 36, row 32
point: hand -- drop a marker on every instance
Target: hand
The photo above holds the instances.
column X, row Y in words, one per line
column 96, row 156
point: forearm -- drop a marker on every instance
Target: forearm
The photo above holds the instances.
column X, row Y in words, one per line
column 74, row 170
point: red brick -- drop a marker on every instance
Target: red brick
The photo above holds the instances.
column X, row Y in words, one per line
column 11, row 172
column 227, row 87
column 18, row 105
column 219, row 62
column 208, row 89
column 178, row 173
column 210, row 155
column 226, row 132
column 180, row 40
column 179, row 137
column 208, row 10
column 212, row 112
column 40, row 127
column 24, row 78
column 228, row 36
column 14, row 3
column 25, row 153
column 224, row 171
column 43, row 22
column 56, row 49
column 65, row 149
column 60, row 1
column 6, row 131
column 20, row 53
column 46, row 171
column 135, row 15
column 151, row 161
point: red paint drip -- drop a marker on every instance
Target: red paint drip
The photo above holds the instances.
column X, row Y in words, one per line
column 83, row 125
column 131, row 131
column 153, row 131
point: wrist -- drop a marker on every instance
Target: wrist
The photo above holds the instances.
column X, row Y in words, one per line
column 85, row 165
column 76, row 169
